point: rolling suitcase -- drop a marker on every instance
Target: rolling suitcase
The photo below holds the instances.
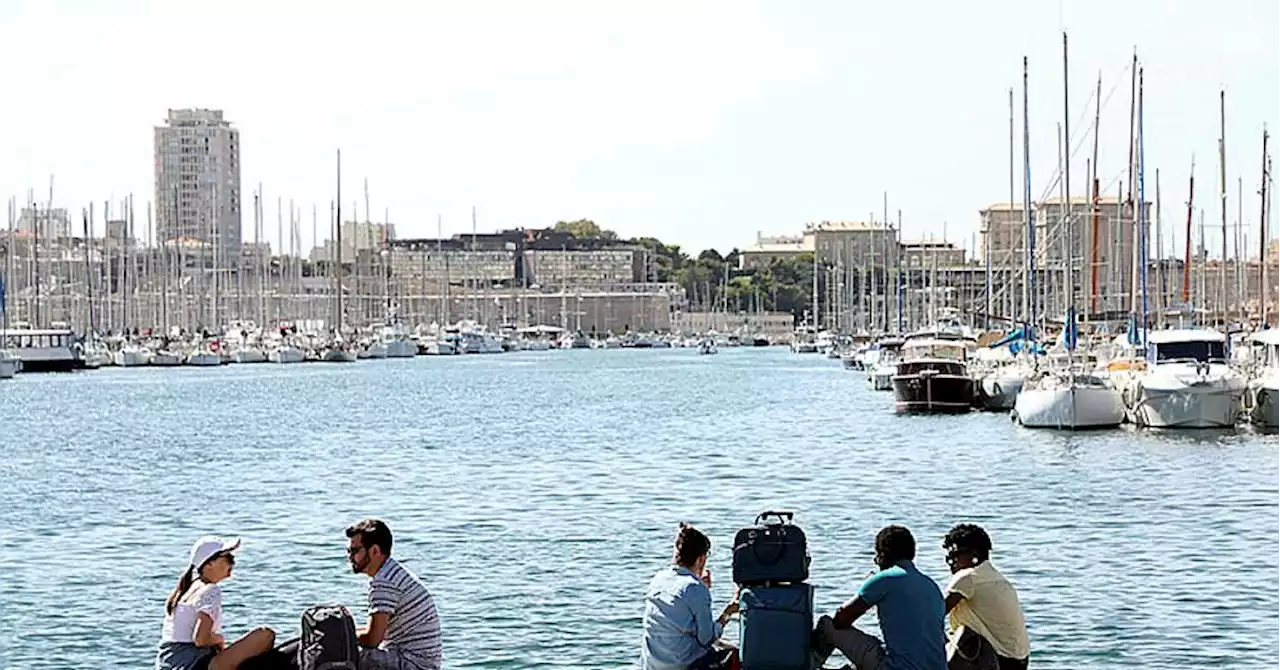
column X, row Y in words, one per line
column 776, row 625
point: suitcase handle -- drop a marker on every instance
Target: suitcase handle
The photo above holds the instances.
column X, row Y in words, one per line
column 782, row 517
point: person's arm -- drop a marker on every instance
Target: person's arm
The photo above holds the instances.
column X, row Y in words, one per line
column 705, row 628
column 871, row 593
column 204, row 635
column 373, row 634
column 850, row 612
column 959, row 588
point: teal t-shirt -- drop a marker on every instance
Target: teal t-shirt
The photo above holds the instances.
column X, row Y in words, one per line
column 912, row 617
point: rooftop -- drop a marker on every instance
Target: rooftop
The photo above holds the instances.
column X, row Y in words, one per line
column 843, row 226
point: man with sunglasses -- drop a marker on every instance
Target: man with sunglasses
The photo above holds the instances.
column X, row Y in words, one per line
column 981, row 599
column 403, row 632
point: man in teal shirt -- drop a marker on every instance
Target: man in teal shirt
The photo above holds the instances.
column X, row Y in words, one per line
column 910, row 608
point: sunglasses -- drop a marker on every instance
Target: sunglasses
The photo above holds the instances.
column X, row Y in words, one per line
column 352, row 551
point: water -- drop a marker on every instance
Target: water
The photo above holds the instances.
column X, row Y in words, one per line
column 536, row 493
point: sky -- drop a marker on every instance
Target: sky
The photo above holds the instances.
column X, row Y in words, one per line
column 699, row 123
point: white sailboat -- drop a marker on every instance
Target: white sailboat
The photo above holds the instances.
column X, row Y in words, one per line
column 1264, row 389
column 1068, row 398
column 9, row 364
column 132, row 355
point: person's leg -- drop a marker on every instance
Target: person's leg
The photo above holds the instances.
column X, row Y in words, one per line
column 1011, row 663
column 258, row 641
column 372, row 658
column 864, row 651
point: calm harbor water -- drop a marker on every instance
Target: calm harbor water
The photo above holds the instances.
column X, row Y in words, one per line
column 536, row 493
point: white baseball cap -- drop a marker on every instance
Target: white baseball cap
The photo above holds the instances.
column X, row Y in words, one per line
column 207, row 546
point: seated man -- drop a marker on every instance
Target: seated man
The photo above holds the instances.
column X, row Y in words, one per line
column 403, row 632
column 981, row 599
column 908, row 604
column 679, row 632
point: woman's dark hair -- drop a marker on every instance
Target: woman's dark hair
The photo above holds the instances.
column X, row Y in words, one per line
column 373, row 533
column 186, row 580
column 895, row 543
column 969, row 537
column 691, row 545
column 184, row 584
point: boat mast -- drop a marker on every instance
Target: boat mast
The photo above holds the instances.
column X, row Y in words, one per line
column 1263, row 232
column 1069, row 323
column 1008, row 268
column 337, row 272
column 388, row 252
column 897, row 272
column 88, row 279
column 1186, row 258
column 1142, row 211
column 1092, row 188
column 8, row 272
column 1222, row 196
column 1029, row 286
column 1160, row 295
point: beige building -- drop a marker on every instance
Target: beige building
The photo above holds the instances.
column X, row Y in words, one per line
column 432, row 266
column 931, row 253
column 51, row 223
column 1003, row 231
column 853, row 243
column 768, row 249
column 357, row 237
column 563, row 268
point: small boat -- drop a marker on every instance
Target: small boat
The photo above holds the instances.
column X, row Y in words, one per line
column 132, row 356
column 43, row 349
column 1264, row 388
column 1068, row 401
column 338, row 352
column 285, row 353
column 167, row 357
column 9, row 364
column 933, row 377
column 205, row 356
column 1188, row 382
column 707, row 346
column 881, row 374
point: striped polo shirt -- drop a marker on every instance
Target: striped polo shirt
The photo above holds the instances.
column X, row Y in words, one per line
column 413, row 630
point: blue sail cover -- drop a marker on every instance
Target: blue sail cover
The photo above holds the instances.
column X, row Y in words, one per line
column 1070, row 334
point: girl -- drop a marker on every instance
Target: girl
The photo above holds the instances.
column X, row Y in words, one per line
column 192, row 637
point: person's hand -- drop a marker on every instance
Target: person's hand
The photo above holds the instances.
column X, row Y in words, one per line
column 732, row 608
column 219, row 642
column 706, row 577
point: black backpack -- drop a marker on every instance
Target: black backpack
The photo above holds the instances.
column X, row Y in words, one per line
column 773, row 551
column 328, row 639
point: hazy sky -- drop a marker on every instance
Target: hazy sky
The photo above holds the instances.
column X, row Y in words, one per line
column 700, row 123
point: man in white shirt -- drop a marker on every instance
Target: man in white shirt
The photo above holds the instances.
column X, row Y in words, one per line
column 981, row 600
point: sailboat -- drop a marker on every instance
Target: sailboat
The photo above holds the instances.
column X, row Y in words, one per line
column 1070, row 398
column 338, row 350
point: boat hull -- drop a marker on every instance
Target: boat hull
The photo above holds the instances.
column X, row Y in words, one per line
column 338, row 356
column 285, row 355
column 9, row 367
column 132, row 358
column 1266, row 407
column 204, row 359
column 1069, row 408
column 1000, row 394
column 401, row 349
column 1201, row 406
column 248, row 356
column 932, row 394
column 882, row 379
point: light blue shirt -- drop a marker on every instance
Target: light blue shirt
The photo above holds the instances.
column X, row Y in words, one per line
column 678, row 625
